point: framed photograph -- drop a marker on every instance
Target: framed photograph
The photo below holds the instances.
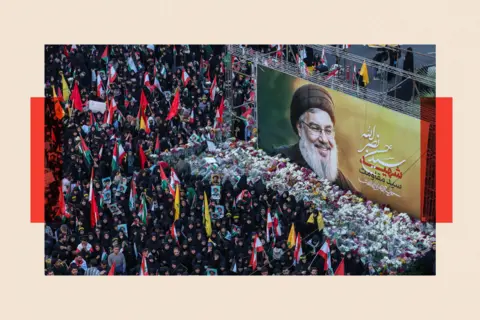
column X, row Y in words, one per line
column 211, row 272
column 216, row 192
column 219, row 213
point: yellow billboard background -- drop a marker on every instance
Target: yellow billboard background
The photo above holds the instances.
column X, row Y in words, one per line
column 356, row 120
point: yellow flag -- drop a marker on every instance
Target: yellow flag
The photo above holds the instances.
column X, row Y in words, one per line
column 142, row 124
column 310, row 219
column 59, row 113
column 320, row 222
column 208, row 221
column 177, row 203
column 65, row 90
column 364, row 73
column 291, row 237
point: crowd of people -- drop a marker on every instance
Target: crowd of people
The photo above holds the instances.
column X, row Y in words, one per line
column 116, row 206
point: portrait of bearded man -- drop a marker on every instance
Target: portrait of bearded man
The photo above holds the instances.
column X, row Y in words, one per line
column 313, row 120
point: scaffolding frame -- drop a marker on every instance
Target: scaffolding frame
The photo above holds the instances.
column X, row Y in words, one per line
column 284, row 66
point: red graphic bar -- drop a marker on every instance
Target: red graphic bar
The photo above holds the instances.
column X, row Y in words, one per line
column 37, row 159
column 444, row 160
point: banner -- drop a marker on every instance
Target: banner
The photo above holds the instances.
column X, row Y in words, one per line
column 96, row 106
column 355, row 144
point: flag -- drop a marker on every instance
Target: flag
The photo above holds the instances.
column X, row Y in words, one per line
column 146, row 81
column 93, row 211
column 340, row 269
column 320, row 222
column 269, row 224
column 277, row 226
column 323, row 59
column 66, row 91
column 364, row 73
column 157, row 145
column 143, row 157
column 191, row 118
column 143, row 267
column 59, row 112
column 142, row 120
column 345, row 46
column 163, row 178
column 63, row 206
column 112, row 269
column 65, row 51
column 257, row 247
column 354, row 75
column 219, row 115
column 324, row 252
column 174, row 107
column 76, row 98
column 174, row 181
column 331, row 74
column 173, row 233
column 213, row 88
column 177, row 203
column 113, row 75
column 59, row 94
column 142, row 214
column 291, row 237
column 133, row 195
column 185, row 77
column 85, row 151
column 143, row 100
column 105, row 55
column 100, row 90
column 115, row 158
column 311, row 219
column 91, row 191
column 207, row 220
column 156, row 84
column 298, row 250
column 112, row 107
column 234, row 266
column 131, row 65
column 100, row 152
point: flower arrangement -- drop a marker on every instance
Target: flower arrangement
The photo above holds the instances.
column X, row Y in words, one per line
column 389, row 241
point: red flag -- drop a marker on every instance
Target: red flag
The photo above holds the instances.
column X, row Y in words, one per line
column 112, row 269
column 143, row 100
column 93, row 211
column 213, row 88
column 76, row 98
column 65, row 51
column 174, row 108
column 54, row 139
column 220, row 111
column 143, row 158
column 340, row 269
column 247, row 113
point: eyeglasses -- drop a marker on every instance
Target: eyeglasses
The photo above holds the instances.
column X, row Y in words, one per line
column 317, row 130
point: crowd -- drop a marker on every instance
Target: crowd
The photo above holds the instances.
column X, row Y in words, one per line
column 117, row 205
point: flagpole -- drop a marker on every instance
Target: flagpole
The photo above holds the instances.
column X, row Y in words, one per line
column 313, row 261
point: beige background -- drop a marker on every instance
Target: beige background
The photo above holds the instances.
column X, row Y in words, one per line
column 26, row 26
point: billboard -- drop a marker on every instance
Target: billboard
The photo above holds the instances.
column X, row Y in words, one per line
column 356, row 144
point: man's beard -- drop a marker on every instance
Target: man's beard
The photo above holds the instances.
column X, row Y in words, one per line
column 324, row 167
